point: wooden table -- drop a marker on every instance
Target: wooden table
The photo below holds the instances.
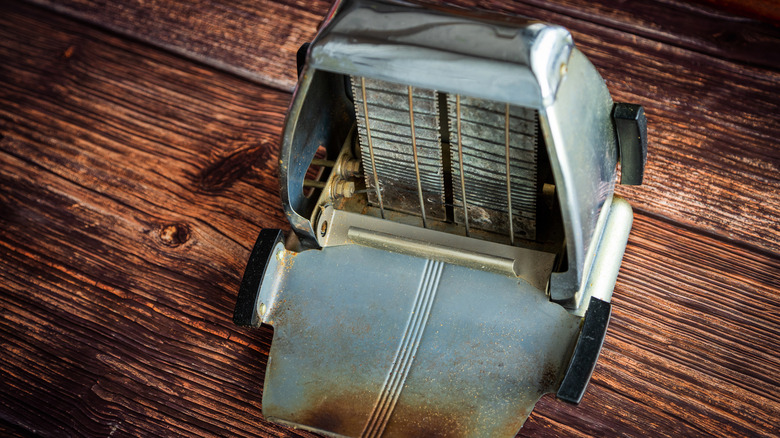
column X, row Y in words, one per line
column 138, row 162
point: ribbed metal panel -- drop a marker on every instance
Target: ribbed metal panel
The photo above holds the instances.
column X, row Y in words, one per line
column 391, row 141
column 483, row 142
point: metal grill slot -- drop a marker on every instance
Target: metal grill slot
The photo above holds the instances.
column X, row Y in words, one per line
column 499, row 170
column 496, row 142
column 407, row 168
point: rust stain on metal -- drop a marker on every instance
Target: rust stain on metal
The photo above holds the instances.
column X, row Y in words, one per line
column 550, row 378
column 342, row 413
column 345, row 414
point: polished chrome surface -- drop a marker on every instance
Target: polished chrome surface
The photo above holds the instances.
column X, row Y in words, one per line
column 517, row 62
column 606, row 263
column 583, row 155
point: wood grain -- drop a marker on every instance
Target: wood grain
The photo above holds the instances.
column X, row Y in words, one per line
column 125, row 228
column 132, row 186
column 259, row 38
column 256, row 39
column 702, row 26
column 764, row 10
column 707, row 80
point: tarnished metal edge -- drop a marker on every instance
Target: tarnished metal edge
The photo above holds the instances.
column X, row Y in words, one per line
column 521, row 65
column 261, row 262
column 389, row 242
column 532, row 266
column 583, row 157
column 609, row 255
column 280, row 261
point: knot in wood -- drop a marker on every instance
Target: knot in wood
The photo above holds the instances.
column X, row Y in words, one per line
column 174, row 234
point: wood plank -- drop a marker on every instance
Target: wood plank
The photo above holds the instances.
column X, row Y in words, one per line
column 764, row 10
column 132, row 186
column 256, row 39
column 260, row 38
column 712, row 27
column 712, row 122
column 124, row 234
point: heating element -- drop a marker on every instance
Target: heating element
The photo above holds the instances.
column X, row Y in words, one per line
column 401, row 148
column 487, row 151
column 494, row 163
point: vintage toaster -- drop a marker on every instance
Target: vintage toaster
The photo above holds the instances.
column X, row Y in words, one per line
column 449, row 181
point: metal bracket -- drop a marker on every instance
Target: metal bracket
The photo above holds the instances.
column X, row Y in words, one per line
column 245, row 313
column 631, row 127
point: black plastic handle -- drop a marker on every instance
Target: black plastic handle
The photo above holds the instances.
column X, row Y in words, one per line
column 631, row 128
column 244, row 314
column 586, row 352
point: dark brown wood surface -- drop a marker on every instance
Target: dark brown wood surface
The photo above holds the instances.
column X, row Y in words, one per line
column 708, row 82
column 133, row 182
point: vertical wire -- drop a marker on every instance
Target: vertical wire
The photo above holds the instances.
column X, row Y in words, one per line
column 508, row 178
column 460, row 163
column 416, row 163
column 371, row 147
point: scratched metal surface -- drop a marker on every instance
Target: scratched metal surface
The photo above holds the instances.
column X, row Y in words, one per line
column 418, row 348
column 389, row 121
column 483, row 125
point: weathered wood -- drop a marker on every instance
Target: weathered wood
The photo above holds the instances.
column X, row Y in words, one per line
column 257, row 39
column 764, row 10
column 132, row 186
column 124, row 227
column 713, row 123
column 687, row 24
column 260, row 38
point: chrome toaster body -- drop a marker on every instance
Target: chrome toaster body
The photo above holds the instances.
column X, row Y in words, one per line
column 449, row 183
